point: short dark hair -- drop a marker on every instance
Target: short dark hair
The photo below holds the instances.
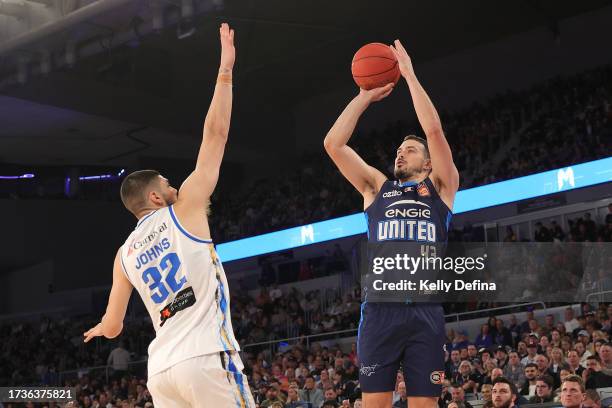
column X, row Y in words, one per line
column 133, row 187
column 456, row 385
column 504, row 380
column 576, row 379
column 594, row 357
column 593, row 395
column 534, row 365
column 547, row 379
column 421, row 141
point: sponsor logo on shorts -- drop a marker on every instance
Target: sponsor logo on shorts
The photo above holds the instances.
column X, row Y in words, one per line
column 436, row 377
column 368, row 370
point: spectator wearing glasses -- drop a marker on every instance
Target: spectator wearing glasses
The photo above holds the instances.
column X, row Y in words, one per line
column 544, row 390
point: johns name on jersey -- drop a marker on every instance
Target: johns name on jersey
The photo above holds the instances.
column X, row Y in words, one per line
column 407, row 227
column 152, row 254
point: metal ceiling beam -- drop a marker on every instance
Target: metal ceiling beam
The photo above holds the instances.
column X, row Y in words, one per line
column 13, row 9
column 81, row 15
column 44, row 2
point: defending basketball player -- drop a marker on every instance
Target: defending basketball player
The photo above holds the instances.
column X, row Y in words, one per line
column 391, row 334
column 170, row 259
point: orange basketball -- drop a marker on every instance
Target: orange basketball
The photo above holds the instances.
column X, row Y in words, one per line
column 374, row 65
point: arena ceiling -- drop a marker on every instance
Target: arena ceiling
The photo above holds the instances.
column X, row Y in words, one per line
column 148, row 94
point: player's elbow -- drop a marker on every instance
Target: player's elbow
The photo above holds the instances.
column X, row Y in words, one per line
column 329, row 145
column 434, row 132
column 216, row 130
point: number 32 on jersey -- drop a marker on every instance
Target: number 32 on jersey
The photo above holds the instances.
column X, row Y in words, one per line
column 160, row 285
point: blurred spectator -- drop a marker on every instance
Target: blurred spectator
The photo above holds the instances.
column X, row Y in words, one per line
column 484, row 339
column 544, row 390
column 311, row 394
column 514, row 370
column 591, row 399
column 118, row 359
column 486, row 392
column 403, row 400
column 458, row 396
column 572, row 392
column 532, row 349
column 573, row 363
column 465, row 378
column 593, row 376
column 504, row 394
column 531, row 374
column 452, row 365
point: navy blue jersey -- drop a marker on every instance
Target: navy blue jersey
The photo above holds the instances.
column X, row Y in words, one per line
column 408, row 212
column 403, row 333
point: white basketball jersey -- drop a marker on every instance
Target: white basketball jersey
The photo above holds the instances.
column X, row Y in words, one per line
column 183, row 286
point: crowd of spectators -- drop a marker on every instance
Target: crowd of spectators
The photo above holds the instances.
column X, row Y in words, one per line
column 581, row 229
column 37, row 352
column 535, row 355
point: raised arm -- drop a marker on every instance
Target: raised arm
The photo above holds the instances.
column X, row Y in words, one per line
column 112, row 321
column 444, row 173
column 365, row 178
column 198, row 187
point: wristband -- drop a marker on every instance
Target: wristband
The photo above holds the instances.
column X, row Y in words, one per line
column 224, row 79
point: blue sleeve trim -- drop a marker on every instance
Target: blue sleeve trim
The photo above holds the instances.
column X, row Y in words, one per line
column 184, row 231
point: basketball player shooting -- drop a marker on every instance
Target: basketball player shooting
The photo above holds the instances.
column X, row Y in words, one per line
column 391, row 334
column 170, row 259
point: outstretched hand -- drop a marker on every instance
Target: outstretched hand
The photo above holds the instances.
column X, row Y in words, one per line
column 95, row 331
column 376, row 94
column 228, row 52
column 403, row 59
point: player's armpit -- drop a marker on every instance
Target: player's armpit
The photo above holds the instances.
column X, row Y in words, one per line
column 199, row 186
column 447, row 193
column 442, row 163
column 365, row 178
column 112, row 322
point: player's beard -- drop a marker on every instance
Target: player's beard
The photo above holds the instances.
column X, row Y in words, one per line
column 506, row 404
column 408, row 170
column 405, row 172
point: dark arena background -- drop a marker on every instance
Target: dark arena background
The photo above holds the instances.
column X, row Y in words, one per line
column 93, row 90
